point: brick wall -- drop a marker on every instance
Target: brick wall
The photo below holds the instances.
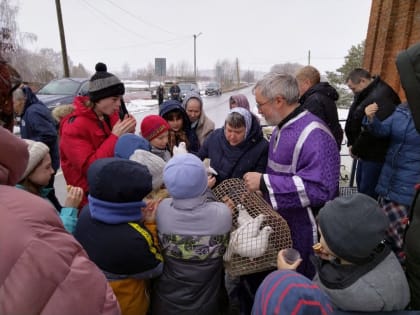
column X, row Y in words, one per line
column 394, row 25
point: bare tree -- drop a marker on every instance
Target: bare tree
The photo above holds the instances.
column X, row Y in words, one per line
column 8, row 29
column 79, row 71
column 225, row 73
column 286, row 68
column 248, row 76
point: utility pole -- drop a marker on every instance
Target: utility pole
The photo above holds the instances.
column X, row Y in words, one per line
column 62, row 39
column 309, row 57
column 237, row 72
column 195, row 56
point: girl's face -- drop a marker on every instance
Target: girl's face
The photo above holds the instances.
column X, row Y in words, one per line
column 108, row 105
column 41, row 175
column 175, row 121
column 193, row 109
column 160, row 141
column 234, row 135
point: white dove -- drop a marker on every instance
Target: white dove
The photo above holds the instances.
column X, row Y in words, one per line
column 247, row 230
column 243, row 215
column 253, row 247
column 180, row 149
column 210, row 170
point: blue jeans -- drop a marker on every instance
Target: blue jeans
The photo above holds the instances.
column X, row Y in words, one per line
column 367, row 175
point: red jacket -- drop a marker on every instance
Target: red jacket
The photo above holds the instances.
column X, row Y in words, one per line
column 84, row 138
column 43, row 269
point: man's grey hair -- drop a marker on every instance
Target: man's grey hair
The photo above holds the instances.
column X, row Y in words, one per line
column 18, row 95
column 275, row 84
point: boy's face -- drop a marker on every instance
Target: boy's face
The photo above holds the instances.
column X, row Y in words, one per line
column 108, row 105
column 175, row 122
column 160, row 141
column 326, row 252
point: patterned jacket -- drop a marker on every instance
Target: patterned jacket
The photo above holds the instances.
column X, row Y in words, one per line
column 193, row 235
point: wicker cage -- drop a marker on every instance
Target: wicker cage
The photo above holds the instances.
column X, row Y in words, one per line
column 233, row 193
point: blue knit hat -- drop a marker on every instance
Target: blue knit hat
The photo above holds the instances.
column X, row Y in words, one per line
column 288, row 292
column 185, row 176
column 118, row 180
column 128, row 143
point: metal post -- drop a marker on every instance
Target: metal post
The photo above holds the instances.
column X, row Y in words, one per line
column 62, row 39
column 195, row 56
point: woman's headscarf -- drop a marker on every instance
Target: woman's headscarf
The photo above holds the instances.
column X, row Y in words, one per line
column 246, row 114
column 240, row 100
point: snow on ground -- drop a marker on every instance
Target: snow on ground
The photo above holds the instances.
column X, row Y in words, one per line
column 140, row 105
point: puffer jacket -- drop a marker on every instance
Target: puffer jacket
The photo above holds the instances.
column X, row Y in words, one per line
column 193, row 234
column 401, row 170
column 38, row 124
column 84, row 139
column 128, row 268
column 320, row 100
column 364, row 144
column 43, row 269
column 234, row 161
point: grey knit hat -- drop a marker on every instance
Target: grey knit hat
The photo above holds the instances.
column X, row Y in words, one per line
column 154, row 164
column 408, row 65
column 353, row 226
column 104, row 84
column 37, row 151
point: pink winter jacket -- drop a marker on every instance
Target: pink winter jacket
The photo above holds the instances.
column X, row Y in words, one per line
column 43, row 269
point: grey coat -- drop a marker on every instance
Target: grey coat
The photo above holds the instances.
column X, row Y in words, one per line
column 384, row 288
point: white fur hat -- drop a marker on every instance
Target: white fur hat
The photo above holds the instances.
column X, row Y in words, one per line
column 154, row 164
column 37, row 152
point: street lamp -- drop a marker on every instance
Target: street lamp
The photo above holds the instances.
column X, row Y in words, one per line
column 195, row 62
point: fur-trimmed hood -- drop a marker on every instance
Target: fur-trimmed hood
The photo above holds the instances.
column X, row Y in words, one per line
column 62, row 111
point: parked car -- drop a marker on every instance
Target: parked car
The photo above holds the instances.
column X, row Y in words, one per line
column 62, row 91
column 213, row 88
column 187, row 87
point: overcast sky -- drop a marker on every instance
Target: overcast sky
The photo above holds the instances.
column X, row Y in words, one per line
column 258, row 33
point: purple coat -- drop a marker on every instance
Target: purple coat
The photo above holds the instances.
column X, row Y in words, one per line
column 302, row 172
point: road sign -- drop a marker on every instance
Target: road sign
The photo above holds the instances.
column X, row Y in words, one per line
column 160, row 67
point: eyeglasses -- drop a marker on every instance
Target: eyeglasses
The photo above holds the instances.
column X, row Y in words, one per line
column 261, row 105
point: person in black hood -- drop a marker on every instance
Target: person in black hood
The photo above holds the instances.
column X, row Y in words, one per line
column 319, row 98
column 173, row 112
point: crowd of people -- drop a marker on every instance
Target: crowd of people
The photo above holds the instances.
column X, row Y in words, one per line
column 141, row 232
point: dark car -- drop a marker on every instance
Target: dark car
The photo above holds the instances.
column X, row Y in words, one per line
column 213, row 88
column 186, row 88
column 62, row 91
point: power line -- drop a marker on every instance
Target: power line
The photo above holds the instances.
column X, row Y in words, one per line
column 147, row 42
column 112, row 20
column 141, row 19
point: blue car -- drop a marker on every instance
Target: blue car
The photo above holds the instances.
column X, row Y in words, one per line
column 62, row 91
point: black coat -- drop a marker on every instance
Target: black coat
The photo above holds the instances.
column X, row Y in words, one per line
column 364, row 144
column 234, row 161
column 320, row 100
